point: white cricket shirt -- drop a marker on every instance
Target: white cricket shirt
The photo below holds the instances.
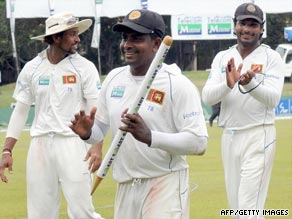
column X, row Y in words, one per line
column 238, row 110
column 173, row 105
column 58, row 91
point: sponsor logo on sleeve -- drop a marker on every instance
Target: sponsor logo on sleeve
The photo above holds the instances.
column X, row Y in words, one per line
column 223, row 69
column 98, row 85
column 191, row 115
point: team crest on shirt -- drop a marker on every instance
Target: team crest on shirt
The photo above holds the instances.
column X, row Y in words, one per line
column 156, row 96
column 69, row 79
column 118, row 91
column 258, row 66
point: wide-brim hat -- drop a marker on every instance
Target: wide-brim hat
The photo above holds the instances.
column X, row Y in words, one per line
column 61, row 22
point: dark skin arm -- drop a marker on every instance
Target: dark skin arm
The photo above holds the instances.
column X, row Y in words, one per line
column 7, row 160
column 135, row 125
column 233, row 74
column 94, row 155
column 248, row 76
column 82, row 123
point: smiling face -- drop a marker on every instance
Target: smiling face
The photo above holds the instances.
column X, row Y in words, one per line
column 68, row 42
column 248, row 32
column 138, row 50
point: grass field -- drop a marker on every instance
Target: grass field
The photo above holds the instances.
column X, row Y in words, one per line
column 198, row 77
column 206, row 176
column 206, row 173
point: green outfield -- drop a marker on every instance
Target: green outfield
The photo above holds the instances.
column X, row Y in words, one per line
column 206, row 173
column 206, row 176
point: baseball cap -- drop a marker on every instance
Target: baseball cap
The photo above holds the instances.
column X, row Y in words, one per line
column 142, row 21
column 249, row 10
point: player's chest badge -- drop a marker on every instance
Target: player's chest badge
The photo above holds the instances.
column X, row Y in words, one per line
column 259, row 67
column 44, row 81
column 118, row 91
column 69, row 79
column 156, row 96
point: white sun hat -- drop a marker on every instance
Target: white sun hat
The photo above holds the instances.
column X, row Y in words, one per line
column 61, row 22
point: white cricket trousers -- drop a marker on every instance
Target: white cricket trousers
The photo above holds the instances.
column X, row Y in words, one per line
column 248, row 157
column 55, row 162
column 164, row 197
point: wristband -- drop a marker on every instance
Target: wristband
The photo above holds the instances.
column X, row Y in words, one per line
column 7, row 151
column 87, row 137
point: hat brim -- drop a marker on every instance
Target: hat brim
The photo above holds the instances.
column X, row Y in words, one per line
column 125, row 26
column 242, row 17
column 81, row 25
